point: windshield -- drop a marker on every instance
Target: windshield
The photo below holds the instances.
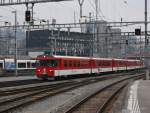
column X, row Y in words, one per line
column 48, row 63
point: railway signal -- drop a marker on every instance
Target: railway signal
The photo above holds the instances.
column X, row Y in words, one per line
column 28, row 16
column 137, row 31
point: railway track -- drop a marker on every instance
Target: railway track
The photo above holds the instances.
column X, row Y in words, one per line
column 100, row 101
column 13, row 98
column 18, row 96
column 36, row 81
column 19, row 82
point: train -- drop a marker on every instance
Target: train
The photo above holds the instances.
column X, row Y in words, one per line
column 53, row 66
column 8, row 64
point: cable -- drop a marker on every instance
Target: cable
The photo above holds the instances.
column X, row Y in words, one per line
column 99, row 11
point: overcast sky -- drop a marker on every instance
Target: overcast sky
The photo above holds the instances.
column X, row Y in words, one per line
column 63, row 12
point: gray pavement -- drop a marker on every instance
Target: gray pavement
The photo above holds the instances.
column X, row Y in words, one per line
column 138, row 97
column 14, row 78
column 144, row 96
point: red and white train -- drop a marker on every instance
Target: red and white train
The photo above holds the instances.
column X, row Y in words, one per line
column 54, row 66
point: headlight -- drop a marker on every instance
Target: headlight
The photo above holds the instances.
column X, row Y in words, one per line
column 38, row 70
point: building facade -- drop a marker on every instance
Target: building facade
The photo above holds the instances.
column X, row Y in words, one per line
column 59, row 42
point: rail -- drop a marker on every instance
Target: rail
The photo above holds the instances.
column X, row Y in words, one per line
column 14, row 98
column 101, row 102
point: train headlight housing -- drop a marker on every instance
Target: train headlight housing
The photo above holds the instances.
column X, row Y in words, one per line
column 38, row 70
column 50, row 70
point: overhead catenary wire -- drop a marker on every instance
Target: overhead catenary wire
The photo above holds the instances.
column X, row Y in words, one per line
column 100, row 14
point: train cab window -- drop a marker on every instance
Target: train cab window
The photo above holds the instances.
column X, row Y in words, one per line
column 21, row 65
column 49, row 63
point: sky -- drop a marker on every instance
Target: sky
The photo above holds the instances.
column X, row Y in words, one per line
column 68, row 11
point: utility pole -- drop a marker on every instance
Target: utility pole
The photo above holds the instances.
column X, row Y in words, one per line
column 81, row 4
column 74, row 17
column 15, row 13
column 145, row 25
column 32, row 21
column 96, row 28
column 80, row 20
column 147, row 70
column 96, row 5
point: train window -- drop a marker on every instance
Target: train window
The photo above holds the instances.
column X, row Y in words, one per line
column 21, row 65
column 121, row 63
column 74, row 63
column 99, row 63
column 49, row 63
column 65, row 63
column 79, row 64
column 1, row 65
column 84, row 63
column 70, row 63
column 106, row 63
column 28, row 64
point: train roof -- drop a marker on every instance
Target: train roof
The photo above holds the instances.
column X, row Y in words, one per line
column 102, row 58
column 75, row 57
column 78, row 57
column 67, row 57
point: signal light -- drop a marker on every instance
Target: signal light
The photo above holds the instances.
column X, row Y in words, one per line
column 126, row 42
column 28, row 16
column 137, row 31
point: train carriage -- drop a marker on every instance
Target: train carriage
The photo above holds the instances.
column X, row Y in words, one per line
column 102, row 65
column 1, row 64
column 54, row 66
column 8, row 64
column 26, row 64
column 120, row 64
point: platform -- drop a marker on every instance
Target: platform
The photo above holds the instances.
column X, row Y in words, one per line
column 14, row 78
column 138, row 98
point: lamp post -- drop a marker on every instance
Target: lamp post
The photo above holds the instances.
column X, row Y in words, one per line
column 147, row 71
column 146, row 25
column 145, row 30
column 15, row 28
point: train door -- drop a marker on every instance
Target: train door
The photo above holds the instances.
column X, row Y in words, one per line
column 126, row 64
column 113, row 65
column 99, row 66
column 1, row 64
column 93, row 66
column 59, row 65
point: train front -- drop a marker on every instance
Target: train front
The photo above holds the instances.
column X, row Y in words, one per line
column 46, row 66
